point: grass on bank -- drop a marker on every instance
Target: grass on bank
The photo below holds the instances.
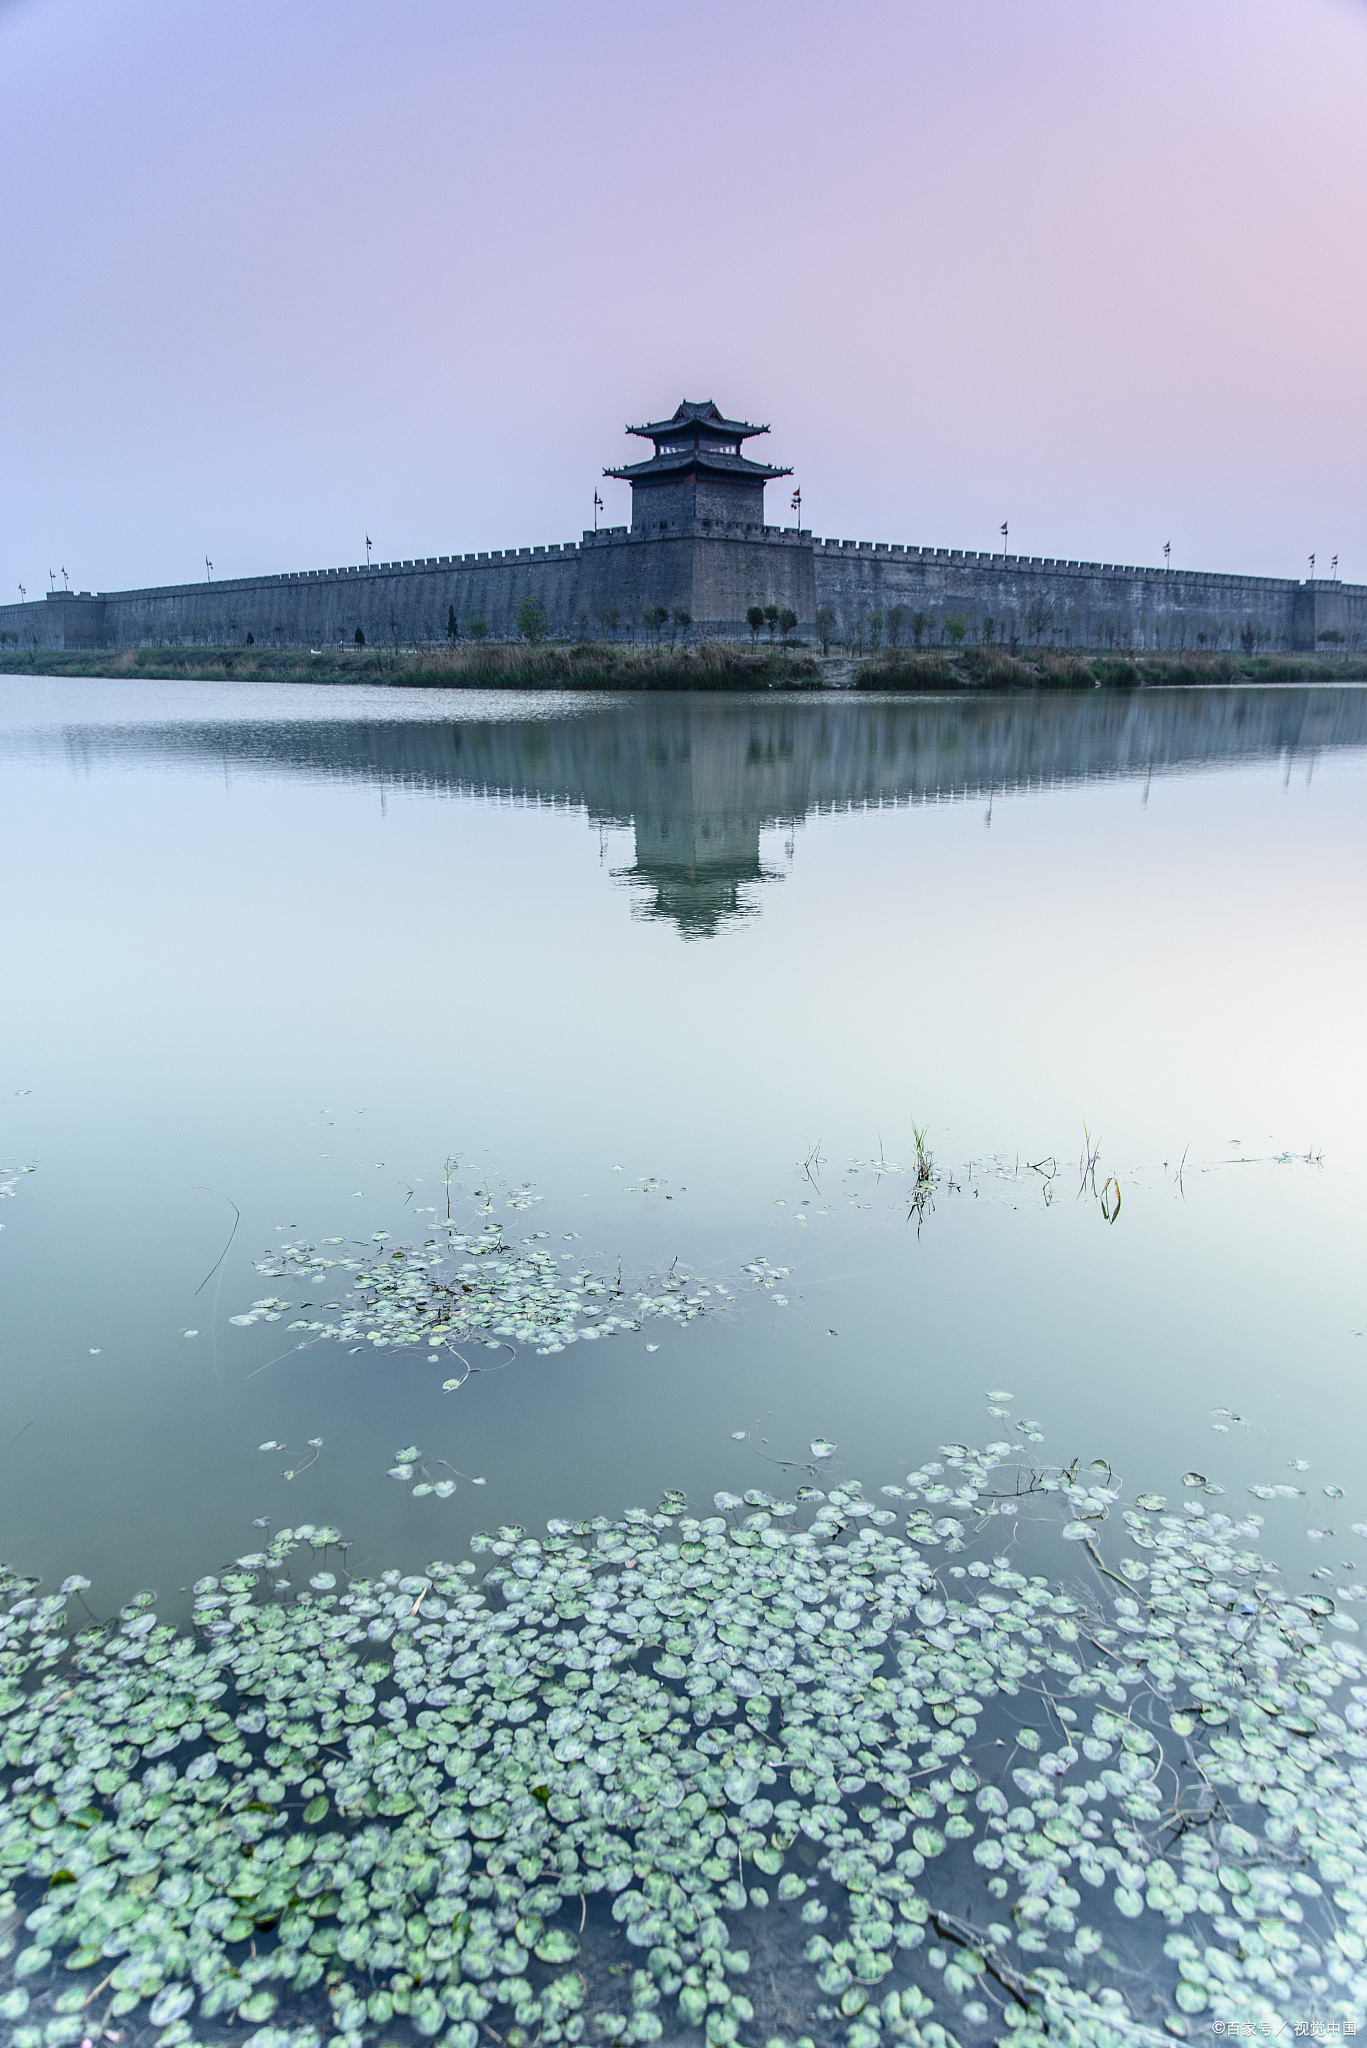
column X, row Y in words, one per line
column 709, row 666
column 584, row 665
column 1053, row 668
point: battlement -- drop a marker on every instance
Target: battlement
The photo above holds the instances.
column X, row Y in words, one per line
column 716, row 571
column 1050, row 564
column 699, row 550
column 700, row 529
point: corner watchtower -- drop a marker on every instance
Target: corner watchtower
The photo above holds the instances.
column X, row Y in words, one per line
column 697, row 476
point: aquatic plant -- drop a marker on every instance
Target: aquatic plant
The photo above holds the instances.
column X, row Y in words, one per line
column 497, row 1294
column 668, row 1747
column 10, row 1176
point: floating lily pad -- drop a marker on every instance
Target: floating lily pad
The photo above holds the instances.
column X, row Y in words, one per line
column 651, row 1712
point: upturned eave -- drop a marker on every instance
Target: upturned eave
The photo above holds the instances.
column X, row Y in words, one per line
column 674, row 468
column 693, row 413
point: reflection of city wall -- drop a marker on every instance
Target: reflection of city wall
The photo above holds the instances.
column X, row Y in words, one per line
column 699, row 778
column 777, row 759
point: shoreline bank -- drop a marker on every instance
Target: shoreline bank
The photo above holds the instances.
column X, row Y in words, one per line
column 608, row 666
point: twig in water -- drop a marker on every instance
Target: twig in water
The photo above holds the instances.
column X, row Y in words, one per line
column 237, row 1218
column 465, row 1362
column 1090, row 1547
column 17, row 1434
column 317, row 1452
column 784, row 1464
column 276, row 1360
column 968, row 1937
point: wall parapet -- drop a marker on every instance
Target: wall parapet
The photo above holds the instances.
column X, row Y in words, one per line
column 716, row 571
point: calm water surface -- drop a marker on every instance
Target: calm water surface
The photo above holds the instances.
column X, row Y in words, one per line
column 289, row 951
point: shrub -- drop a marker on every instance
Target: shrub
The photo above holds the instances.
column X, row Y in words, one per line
column 1065, row 672
column 532, row 622
column 995, row 669
column 903, row 671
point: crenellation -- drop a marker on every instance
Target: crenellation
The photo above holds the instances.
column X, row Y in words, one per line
column 706, row 549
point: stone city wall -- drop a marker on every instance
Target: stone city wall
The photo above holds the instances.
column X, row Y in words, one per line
column 715, row 573
column 1042, row 601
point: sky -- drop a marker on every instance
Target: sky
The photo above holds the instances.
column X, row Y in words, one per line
column 277, row 280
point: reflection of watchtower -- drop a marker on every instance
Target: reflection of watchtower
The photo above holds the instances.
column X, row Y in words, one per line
column 696, row 862
column 697, row 476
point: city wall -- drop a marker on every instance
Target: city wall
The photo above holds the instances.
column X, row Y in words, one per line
column 604, row 586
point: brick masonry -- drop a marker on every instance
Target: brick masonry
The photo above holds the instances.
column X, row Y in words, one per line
column 714, row 570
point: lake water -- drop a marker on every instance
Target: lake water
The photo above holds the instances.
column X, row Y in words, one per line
column 292, row 950
column 693, row 973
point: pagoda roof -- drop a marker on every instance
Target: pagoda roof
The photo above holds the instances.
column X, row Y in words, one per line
column 699, row 412
column 696, row 461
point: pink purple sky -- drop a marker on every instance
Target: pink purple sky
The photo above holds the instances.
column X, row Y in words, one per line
column 279, row 277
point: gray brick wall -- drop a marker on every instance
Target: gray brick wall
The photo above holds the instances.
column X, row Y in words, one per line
column 715, row 572
column 1038, row 601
